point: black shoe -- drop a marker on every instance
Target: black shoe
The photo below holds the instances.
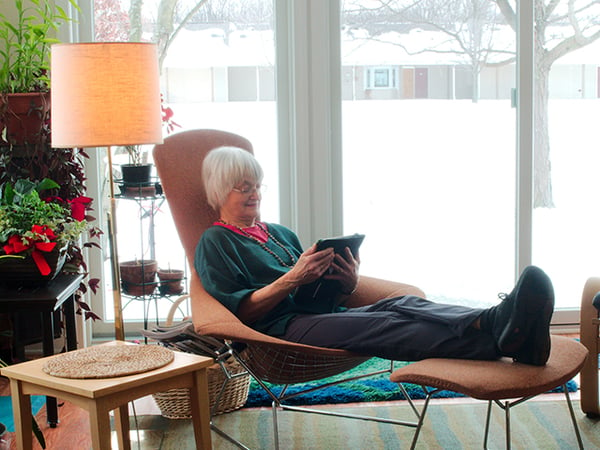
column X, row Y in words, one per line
column 512, row 321
column 536, row 349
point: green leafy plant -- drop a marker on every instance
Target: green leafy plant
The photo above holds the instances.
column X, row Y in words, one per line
column 34, row 425
column 30, row 225
column 25, row 45
column 65, row 167
column 37, row 216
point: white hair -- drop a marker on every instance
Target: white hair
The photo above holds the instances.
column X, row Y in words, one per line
column 226, row 167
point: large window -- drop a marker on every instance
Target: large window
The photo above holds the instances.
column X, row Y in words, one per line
column 429, row 167
column 430, row 170
column 217, row 72
column 414, row 123
column 567, row 101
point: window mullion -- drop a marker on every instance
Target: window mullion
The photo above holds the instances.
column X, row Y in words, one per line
column 525, row 128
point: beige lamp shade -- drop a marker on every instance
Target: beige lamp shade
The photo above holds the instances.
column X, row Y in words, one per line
column 105, row 94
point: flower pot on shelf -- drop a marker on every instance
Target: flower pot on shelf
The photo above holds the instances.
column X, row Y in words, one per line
column 136, row 174
column 22, row 117
column 25, row 270
column 171, row 281
column 137, row 277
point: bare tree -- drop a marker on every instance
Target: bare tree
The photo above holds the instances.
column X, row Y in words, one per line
column 466, row 29
column 110, row 21
column 561, row 26
column 174, row 15
column 135, row 21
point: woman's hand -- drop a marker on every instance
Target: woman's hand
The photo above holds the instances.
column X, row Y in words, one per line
column 311, row 265
column 345, row 270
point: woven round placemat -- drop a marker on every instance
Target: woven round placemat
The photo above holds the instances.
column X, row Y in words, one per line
column 108, row 361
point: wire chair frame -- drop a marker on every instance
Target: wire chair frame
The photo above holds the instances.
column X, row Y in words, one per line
column 279, row 399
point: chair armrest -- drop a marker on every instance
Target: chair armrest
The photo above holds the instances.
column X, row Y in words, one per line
column 589, row 338
column 371, row 290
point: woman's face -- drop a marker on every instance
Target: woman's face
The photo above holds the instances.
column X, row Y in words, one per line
column 242, row 205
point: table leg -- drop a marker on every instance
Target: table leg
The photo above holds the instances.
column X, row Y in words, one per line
column 200, row 404
column 22, row 415
column 19, row 347
column 100, row 427
column 48, row 348
column 122, row 426
column 70, row 326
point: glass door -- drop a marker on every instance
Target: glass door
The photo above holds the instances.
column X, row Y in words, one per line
column 429, row 144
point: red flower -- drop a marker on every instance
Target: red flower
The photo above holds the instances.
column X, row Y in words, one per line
column 37, row 243
column 79, row 206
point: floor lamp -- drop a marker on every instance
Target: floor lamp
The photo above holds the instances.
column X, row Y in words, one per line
column 102, row 95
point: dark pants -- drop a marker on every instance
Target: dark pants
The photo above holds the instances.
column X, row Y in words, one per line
column 405, row 328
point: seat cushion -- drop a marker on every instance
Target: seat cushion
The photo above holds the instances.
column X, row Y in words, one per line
column 500, row 379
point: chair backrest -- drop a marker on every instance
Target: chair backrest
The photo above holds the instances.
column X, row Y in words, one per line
column 179, row 162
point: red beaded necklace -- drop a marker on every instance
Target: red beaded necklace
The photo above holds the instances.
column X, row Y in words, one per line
column 263, row 245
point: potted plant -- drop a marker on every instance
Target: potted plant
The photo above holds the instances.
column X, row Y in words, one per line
column 36, row 230
column 24, row 64
column 171, row 281
column 137, row 173
column 137, row 277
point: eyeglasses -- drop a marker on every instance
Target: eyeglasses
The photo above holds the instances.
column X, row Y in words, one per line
column 249, row 190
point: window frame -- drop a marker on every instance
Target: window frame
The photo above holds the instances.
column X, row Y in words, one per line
column 309, row 110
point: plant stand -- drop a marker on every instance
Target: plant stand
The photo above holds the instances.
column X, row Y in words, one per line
column 148, row 198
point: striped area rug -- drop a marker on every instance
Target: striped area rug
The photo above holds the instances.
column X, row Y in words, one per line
column 536, row 424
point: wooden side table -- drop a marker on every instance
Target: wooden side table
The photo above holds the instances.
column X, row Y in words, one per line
column 45, row 299
column 100, row 396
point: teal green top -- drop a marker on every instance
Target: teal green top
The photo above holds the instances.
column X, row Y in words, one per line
column 232, row 266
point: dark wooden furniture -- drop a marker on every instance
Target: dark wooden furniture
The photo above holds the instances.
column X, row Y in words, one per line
column 45, row 300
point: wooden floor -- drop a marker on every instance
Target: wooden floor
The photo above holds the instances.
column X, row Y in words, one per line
column 73, row 430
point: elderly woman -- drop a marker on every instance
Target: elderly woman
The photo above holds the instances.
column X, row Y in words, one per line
column 255, row 269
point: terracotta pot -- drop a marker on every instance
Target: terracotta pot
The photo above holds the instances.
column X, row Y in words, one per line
column 24, row 116
column 137, row 277
column 25, row 271
column 171, row 281
column 140, row 191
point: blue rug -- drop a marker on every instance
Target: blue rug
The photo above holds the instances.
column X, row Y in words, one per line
column 373, row 389
column 6, row 412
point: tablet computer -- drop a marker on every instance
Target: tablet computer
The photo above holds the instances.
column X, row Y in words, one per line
column 323, row 289
column 339, row 243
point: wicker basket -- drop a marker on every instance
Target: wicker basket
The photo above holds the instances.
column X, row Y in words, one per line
column 176, row 403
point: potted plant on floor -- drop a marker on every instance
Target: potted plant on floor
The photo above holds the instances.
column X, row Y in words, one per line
column 24, row 64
